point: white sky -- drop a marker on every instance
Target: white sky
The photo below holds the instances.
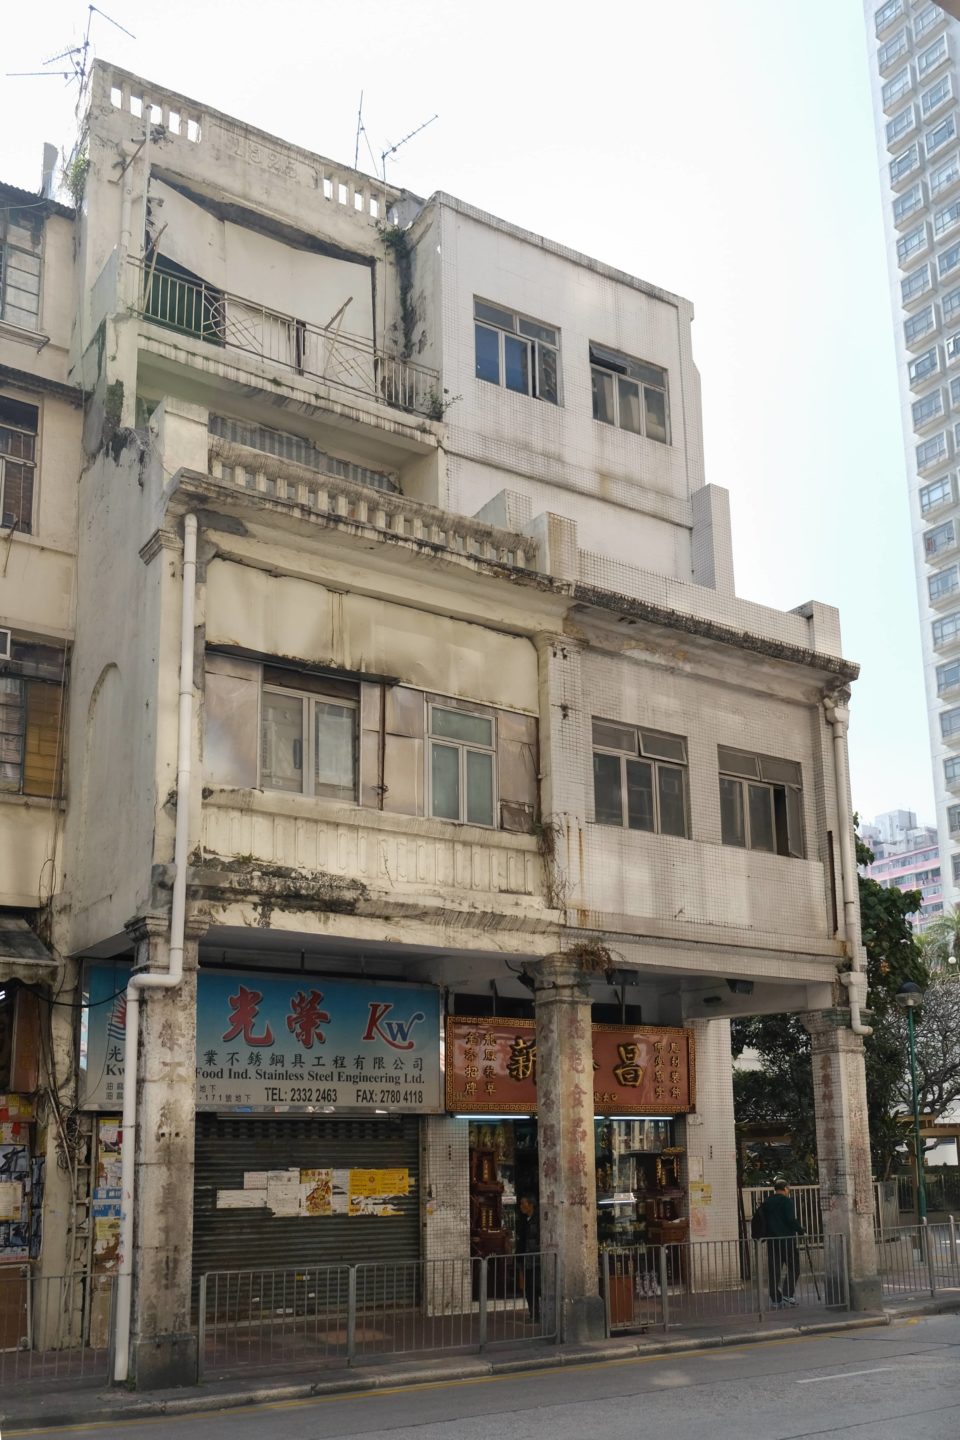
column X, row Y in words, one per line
column 724, row 151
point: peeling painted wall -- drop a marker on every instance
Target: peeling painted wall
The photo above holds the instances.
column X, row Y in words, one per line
column 283, row 616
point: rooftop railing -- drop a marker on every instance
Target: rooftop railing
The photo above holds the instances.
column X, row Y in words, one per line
column 329, row 354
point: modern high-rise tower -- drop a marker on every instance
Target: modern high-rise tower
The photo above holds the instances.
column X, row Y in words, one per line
column 915, row 82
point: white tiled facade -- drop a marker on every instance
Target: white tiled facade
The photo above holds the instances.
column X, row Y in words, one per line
column 914, row 62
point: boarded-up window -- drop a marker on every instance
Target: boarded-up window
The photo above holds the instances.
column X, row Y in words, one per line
column 31, row 714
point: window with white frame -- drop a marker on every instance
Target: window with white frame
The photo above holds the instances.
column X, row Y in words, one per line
column 516, row 352
column 936, row 95
column 897, row 86
column 913, row 243
column 901, row 124
column 629, row 393
column 944, row 583
column 953, row 819
column 887, row 14
column 946, row 630
column 18, row 464
column 929, row 59
column 941, row 134
column 926, row 364
column 932, row 451
column 308, row 734
column 955, row 391
column 926, row 19
column 890, row 52
column 951, row 773
column 939, row 492
column 927, row 409
column 914, row 284
column 948, row 677
column 944, row 176
column 21, row 239
column 906, row 203
column 947, row 219
column 461, row 768
column 903, row 164
column 950, row 724
column 761, row 802
column 948, row 261
column 940, row 538
column 918, row 324
column 640, row 778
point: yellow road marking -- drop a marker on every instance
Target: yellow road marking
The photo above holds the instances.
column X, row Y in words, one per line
column 718, row 1352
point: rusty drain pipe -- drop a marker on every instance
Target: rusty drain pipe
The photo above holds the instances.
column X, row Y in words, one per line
column 855, row 980
column 169, row 979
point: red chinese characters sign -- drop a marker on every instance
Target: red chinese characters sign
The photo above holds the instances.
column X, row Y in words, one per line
column 491, row 1068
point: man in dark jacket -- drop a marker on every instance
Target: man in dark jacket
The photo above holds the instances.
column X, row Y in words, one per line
column 528, row 1249
column 780, row 1230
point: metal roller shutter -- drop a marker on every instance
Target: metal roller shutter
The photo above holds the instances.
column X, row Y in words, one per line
column 257, row 1239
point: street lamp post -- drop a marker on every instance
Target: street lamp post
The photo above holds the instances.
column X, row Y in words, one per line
column 910, row 997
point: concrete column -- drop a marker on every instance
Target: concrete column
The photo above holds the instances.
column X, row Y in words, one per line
column 843, row 1147
column 711, row 1138
column 568, row 1191
column 445, row 1188
column 163, row 1345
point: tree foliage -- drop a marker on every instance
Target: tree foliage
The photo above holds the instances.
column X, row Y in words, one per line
column 780, row 1092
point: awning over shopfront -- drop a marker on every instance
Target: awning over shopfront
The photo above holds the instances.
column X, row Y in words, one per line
column 23, row 955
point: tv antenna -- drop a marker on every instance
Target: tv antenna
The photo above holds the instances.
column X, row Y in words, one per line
column 76, row 56
column 392, row 149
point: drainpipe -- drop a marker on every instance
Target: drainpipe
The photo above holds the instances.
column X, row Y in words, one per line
column 147, row 980
column 855, row 980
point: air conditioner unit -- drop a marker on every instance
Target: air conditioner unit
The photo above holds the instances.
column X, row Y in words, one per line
column 4, row 644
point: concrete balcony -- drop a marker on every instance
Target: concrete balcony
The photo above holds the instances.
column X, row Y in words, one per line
column 236, row 325
column 243, row 472
column 303, row 855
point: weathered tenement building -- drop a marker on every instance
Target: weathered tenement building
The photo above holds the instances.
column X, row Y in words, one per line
column 40, row 425
column 434, row 801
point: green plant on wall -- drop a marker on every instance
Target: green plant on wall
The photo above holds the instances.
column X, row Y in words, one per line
column 74, row 176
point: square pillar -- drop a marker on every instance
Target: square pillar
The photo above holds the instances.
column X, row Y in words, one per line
column 568, row 1189
column 843, row 1148
column 163, row 1344
column 711, row 1142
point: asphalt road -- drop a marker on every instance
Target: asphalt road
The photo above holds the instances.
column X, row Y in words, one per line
column 898, row 1382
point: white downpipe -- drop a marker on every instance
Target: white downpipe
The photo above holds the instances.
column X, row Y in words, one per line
column 854, row 980
column 153, row 980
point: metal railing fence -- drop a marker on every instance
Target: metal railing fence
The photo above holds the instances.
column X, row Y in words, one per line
column 330, row 353
column 309, row 1315
column 919, row 1259
column 716, row 1281
column 54, row 1327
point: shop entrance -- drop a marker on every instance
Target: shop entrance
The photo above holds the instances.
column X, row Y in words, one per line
column 641, row 1192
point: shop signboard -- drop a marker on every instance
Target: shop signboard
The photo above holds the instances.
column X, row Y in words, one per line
column 301, row 1043
column 491, row 1068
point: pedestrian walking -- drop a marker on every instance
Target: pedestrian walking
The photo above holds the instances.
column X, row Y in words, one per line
column 528, row 1249
column 776, row 1223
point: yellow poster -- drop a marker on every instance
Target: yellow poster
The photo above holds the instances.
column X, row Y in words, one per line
column 371, row 1191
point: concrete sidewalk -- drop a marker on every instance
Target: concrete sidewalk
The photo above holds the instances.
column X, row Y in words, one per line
column 41, row 1407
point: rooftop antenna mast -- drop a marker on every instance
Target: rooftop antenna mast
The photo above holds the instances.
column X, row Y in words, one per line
column 77, row 57
column 392, row 149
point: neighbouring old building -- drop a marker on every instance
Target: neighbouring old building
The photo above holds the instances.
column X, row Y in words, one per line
column 40, row 426
column 433, row 799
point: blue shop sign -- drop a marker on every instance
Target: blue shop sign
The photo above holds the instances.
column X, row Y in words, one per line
column 267, row 1042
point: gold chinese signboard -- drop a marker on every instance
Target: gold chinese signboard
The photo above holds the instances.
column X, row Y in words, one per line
column 491, row 1068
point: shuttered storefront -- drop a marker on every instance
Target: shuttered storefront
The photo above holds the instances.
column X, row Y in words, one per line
column 244, row 1239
